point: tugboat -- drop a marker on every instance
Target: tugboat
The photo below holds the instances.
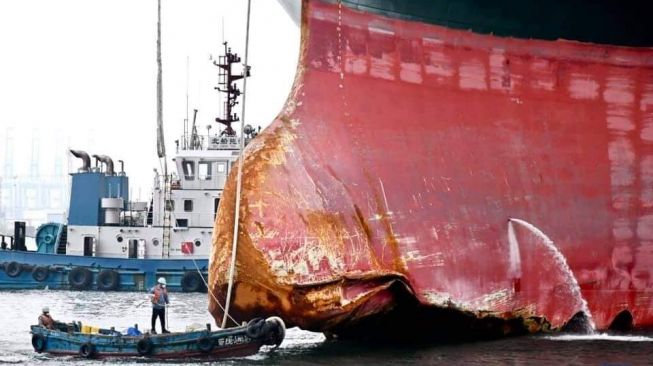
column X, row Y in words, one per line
column 110, row 242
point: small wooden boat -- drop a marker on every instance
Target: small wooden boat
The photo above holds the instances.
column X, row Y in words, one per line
column 230, row 342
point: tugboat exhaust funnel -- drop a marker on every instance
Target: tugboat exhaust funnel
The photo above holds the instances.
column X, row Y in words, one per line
column 86, row 161
column 108, row 161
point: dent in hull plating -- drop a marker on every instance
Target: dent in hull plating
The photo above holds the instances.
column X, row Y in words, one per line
column 386, row 184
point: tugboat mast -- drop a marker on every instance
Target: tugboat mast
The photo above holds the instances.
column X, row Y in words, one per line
column 226, row 84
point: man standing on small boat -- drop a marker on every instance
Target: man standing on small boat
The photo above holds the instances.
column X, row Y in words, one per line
column 159, row 302
column 45, row 320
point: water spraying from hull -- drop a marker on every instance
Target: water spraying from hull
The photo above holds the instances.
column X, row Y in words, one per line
column 557, row 255
column 515, row 258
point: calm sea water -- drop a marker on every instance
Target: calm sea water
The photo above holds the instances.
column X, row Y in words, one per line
column 19, row 309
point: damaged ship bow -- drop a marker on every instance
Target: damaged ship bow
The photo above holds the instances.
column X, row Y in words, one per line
column 475, row 169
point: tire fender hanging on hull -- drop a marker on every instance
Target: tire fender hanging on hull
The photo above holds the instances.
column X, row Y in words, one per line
column 80, row 278
column 108, row 280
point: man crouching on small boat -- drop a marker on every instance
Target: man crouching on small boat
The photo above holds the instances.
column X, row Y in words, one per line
column 45, row 320
column 159, row 302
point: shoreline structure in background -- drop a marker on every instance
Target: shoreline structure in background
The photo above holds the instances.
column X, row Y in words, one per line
column 40, row 193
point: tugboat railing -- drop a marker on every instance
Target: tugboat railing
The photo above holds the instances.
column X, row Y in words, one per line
column 160, row 181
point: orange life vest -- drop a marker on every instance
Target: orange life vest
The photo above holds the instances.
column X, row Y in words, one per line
column 157, row 294
column 46, row 320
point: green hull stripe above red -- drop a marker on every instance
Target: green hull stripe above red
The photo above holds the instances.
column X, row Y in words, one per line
column 624, row 23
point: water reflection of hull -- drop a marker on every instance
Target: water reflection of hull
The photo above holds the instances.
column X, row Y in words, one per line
column 383, row 190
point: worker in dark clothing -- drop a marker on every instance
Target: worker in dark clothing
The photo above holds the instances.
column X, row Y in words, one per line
column 45, row 320
column 159, row 302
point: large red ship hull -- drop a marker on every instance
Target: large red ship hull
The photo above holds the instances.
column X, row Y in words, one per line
column 404, row 150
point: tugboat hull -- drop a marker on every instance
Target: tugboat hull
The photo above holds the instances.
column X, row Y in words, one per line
column 30, row 270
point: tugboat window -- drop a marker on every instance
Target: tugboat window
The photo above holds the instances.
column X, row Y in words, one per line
column 188, row 205
column 189, row 169
column 222, row 167
column 204, row 169
column 182, row 222
column 88, row 246
column 133, row 248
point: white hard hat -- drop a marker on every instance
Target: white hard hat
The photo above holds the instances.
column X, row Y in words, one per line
column 46, row 309
column 162, row 280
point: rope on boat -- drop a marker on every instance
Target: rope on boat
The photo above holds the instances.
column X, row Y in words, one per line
column 234, row 245
column 211, row 292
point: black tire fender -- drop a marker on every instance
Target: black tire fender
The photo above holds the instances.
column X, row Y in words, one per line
column 80, row 278
column 256, row 328
column 40, row 273
column 276, row 331
column 87, row 350
column 13, row 269
column 108, row 280
column 192, row 282
column 144, row 347
column 38, row 342
column 205, row 344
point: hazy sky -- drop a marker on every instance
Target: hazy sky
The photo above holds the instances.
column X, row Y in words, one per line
column 83, row 73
